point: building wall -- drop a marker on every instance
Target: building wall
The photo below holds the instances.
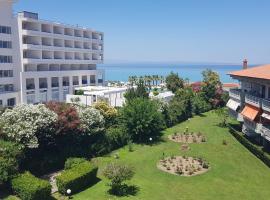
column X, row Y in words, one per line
column 9, row 85
column 43, row 51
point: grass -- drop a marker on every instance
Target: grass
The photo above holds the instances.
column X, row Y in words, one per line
column 235, row 173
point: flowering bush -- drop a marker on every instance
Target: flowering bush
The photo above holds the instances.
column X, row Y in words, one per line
column 91, row 120
column 27, row 124
column 68, row 119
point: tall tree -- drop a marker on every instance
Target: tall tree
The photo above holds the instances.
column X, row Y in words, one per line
column 211, row 87
column 174, row 82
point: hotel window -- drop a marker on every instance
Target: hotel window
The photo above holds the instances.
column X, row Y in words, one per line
column 43, row 83
column 11, row 102
column 30, row 84
column 75, row 80
column 84, row 80
column 6, row 73
column 5, row 44
column 55, row 82
column 100, row 78
column 5, row 29
column 65, row 81
column 5, row 59
column 92, row 79
column 1, row 103
column 6, row 88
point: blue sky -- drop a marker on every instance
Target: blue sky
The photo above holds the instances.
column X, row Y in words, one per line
column 223, row 31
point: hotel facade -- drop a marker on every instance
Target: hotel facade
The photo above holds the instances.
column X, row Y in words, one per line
column 42, row 61
column 250, row 104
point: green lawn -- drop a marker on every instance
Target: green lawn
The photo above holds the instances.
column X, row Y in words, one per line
column 235, row 173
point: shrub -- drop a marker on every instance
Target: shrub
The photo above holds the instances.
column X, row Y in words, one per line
column 174, row 82
column 91, row 120
column 109, row 113
column 68, row 120
column 115, row 137
column 117, row 174
column 71, row 162
column 142, row 119
column 28, row 187
column 76, row 178
column 28, row 124
column 8, row 168
column 251, row 147
column 11, row 154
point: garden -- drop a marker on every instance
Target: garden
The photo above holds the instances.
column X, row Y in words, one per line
column 142, row 150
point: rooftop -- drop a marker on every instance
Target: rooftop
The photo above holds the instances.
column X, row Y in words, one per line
column 260, row 72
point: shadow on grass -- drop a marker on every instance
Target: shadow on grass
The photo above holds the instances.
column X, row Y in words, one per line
column 202, row 115
column 124, row 190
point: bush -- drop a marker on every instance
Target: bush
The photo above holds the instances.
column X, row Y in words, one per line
column 76, row 178
column 71, row 162
column 115, row 137
column 109, row 113
column 11, row 154
column 174, row 82
column 29, row 187
column 142, row 119
column 8, row 168
column 117, row 173
column 28, row 125
column 251, row 147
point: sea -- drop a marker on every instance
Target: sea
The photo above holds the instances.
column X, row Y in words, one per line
column 193, row 72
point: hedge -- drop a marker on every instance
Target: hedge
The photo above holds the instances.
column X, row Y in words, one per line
column 77, row 178
column 258, row 152
column 29, row 187
column 71, row 162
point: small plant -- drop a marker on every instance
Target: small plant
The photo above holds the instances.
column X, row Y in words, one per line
column 179, row 170
column 194, row 139
column 130, row 146
column 203, row 139
column 116, row 156
column 175, row 133
column 224, row 142
column 205, row 165
column 117, row 174
column 168, row 168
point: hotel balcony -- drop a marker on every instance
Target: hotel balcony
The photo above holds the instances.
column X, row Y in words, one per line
column 253, row 126
column 266, row 105
column 253, row 100
column 236, row 94
column 266, row 132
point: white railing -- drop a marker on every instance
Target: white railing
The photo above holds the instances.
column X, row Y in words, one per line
column 266, row 105
column 253, row 100
column 266, row 131
column 256, row 127
column 235, row 93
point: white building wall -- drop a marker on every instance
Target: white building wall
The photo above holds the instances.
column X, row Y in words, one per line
column 44, row 49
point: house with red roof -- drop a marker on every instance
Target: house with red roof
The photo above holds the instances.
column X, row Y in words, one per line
column 250, row 103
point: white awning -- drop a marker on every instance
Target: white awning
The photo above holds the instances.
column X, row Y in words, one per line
column 266, row 116
column 233, row 104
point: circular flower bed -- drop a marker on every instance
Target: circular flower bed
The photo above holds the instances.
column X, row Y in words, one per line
column 183, row 166
column 188, row 137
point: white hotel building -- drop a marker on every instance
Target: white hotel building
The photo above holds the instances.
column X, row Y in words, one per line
column 42, row 60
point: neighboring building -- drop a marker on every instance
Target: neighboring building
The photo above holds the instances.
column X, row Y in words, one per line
column 250, row 103
column 42, row 60
column 92, row 94
column 113, row 95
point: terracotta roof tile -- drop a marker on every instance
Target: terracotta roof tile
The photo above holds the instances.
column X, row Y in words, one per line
column 261, row 72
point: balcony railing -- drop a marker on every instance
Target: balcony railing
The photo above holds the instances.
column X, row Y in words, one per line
column 256, row 127
column 236, row 93
column 266, row 105
column 253, row 100
column 265, row 131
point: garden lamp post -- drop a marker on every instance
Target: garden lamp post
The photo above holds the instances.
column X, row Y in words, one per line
column 68, row 193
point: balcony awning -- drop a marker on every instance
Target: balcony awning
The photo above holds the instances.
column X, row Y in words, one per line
column 250, row 112
column 234, row 105
column 266, row 116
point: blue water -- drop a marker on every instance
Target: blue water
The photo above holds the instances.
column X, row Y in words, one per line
column 121, row 72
